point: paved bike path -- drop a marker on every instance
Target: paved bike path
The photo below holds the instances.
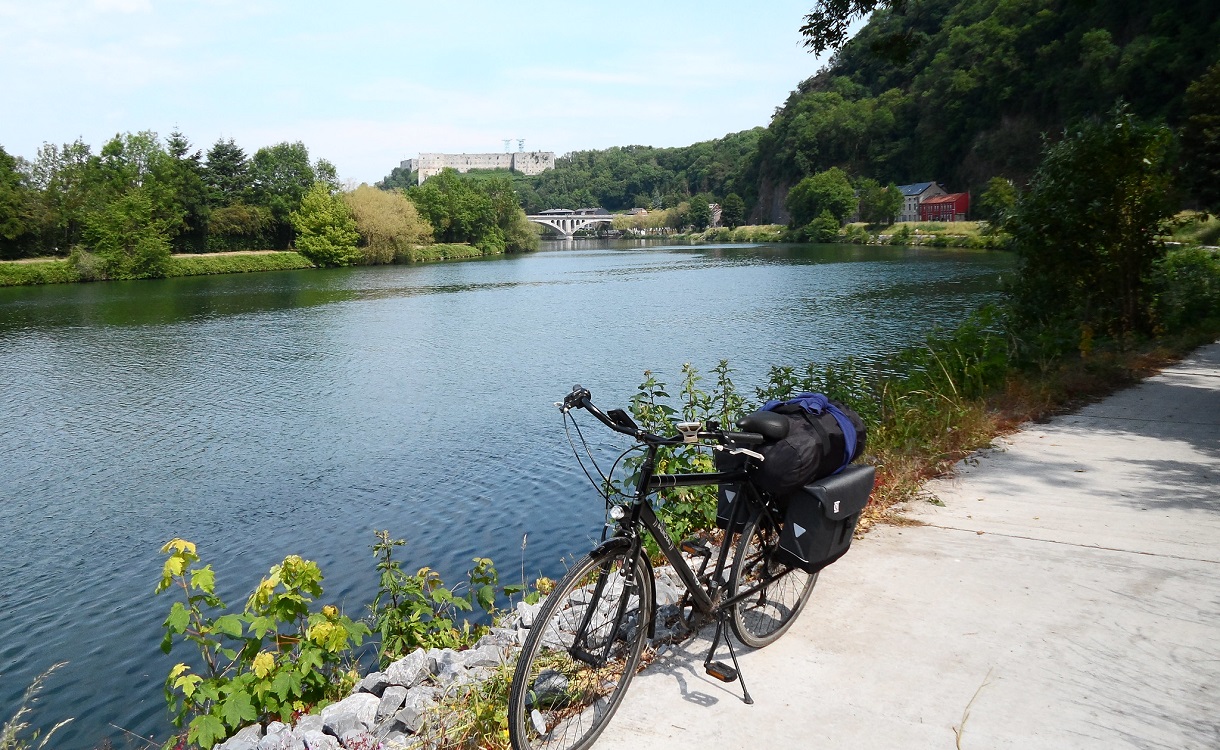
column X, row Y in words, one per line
column 1067, row 595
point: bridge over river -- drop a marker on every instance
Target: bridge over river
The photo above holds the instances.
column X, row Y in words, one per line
column 567, row 222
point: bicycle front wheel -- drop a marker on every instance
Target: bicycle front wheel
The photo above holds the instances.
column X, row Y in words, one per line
column 583, row 649
column 763, row 616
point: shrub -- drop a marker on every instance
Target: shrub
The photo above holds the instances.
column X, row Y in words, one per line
column 414, row 611
column 1186, row 283
column 389, row 225
column 1086, row 231
column 240, row 227
column 825, row 228
column 326, row 233
column 274, row 659
column 129, row 239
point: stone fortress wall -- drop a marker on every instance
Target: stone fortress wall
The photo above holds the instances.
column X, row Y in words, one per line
column 523, row 162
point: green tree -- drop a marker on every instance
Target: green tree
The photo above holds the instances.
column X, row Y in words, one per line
column 700, row 215
column 17, row 230
column 280, row 176
column 132, row 242
column 61, row 176
column 227, row 173
column 733, row 211
column 825, row 228
column 828, row 24
column 1086, row 231
column 325, row 172
column 239, row 227
column 325, row 231
column 998, row 200
column 182, row 174
column 879, row 204
column 826, row 191
column 398, row 179
column 456, row 209
column 483, row 211
column 1201, row 139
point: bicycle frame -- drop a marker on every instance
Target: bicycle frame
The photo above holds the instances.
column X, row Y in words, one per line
column 643, row 514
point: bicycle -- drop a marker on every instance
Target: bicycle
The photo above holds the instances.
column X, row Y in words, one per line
column 585, row 643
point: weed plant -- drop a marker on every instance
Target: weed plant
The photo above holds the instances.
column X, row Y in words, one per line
column 416, row 610
column 12, row 734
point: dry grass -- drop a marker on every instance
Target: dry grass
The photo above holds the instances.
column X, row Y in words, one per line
column 11, row 733
column 1025, row 398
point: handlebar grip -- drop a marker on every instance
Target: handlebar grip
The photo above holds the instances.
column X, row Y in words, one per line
column 576, row 398
column 744, row 438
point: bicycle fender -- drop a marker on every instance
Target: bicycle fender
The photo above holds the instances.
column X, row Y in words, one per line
column 613, row 544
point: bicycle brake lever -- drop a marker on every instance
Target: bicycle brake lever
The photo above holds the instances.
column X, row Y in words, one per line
column 747, row 452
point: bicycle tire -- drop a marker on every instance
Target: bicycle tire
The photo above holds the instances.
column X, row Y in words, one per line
column 558, row 701
column 763, row 617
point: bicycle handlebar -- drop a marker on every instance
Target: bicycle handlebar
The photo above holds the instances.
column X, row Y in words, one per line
column 580, row 398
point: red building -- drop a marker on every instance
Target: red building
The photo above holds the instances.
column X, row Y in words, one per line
column 951, row 207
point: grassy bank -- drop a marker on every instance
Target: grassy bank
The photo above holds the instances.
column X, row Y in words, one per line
column 248, row 262
column 59, row 271
column 969, row 234
column 29, row 273
column 445, row 251
column 55, row 271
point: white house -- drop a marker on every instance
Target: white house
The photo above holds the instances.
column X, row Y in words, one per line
column 913, row 195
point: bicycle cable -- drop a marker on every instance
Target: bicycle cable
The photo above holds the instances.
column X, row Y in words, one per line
column 606, row 482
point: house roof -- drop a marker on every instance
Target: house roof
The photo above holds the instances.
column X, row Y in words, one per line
column 949, row 198
column 915, row 188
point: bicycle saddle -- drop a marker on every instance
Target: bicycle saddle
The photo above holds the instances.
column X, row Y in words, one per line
column 770, row 425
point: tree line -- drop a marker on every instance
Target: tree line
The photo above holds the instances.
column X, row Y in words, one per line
column 120, row 212
column 961, row 91
column 954, row 91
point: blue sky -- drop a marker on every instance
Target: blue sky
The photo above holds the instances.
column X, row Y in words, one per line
column 366, row 84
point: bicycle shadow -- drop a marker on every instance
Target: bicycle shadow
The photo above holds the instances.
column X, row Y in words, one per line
column 683, row 662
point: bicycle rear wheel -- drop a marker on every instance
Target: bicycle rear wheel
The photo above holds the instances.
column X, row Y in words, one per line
column 762, row 617
column 582, row 651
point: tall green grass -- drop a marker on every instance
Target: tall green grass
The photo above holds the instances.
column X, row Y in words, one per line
column 37, row 272
column 206, row 265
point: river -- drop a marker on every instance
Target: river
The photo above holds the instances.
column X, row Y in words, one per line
column 266, row 414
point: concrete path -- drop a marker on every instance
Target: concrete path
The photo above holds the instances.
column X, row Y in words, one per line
column 1067, row 595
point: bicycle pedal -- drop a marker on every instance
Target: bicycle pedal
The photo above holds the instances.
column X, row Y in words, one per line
column 721, row 671
column 696, row 547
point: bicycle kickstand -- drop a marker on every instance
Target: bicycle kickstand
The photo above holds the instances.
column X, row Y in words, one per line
column 722, row 671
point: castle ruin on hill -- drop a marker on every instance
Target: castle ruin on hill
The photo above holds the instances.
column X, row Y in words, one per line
column 522, row 162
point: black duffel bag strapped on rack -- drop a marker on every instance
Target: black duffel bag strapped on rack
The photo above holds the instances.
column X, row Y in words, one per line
column 822, row 438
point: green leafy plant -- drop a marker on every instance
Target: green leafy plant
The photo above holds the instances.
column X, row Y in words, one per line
column 686, row 510
column 416, row 610
column 273, row 660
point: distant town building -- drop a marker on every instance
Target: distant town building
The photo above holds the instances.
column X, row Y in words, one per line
column 913, row 195
column 949, row 207
column 522, row 162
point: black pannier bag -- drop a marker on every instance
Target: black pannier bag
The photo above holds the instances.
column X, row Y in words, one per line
column 727, row 493
column 821, row 518
column 814, row 447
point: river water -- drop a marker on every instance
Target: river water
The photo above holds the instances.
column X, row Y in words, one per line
column 268, row 414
